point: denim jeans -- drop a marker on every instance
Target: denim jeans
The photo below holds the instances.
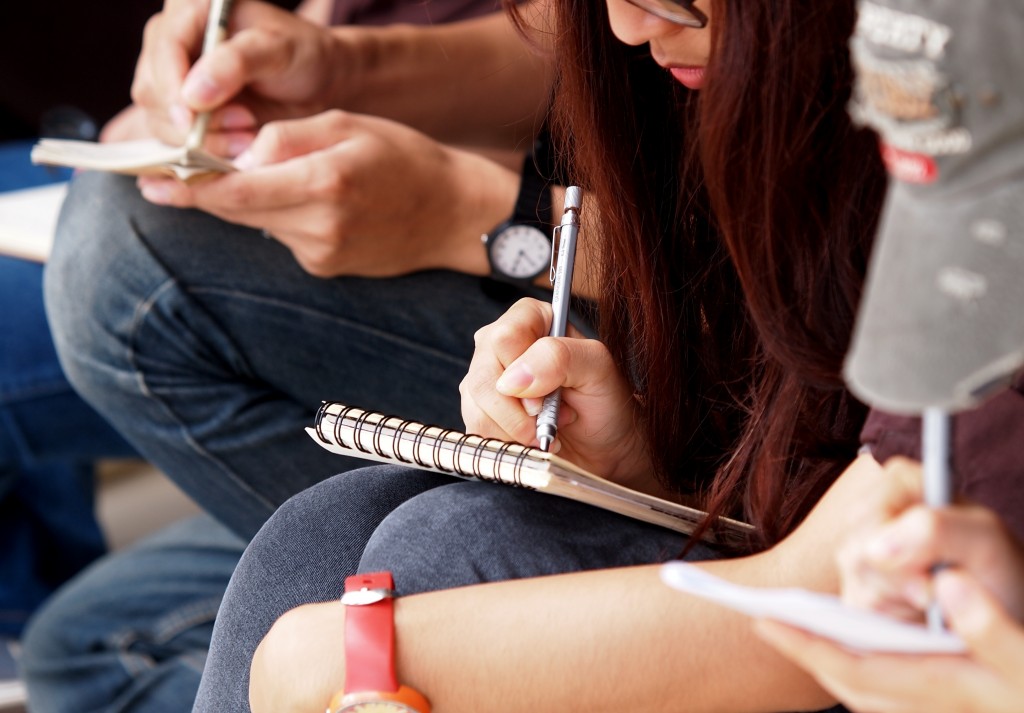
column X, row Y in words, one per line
column 47, row 528
column 49, row 439
column 440, row 537
column 131, row 631
column 210, row 349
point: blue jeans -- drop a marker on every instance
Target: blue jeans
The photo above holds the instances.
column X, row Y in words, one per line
column 441, row 535
column 132, row 630
column 210, row 350
column 49, row 439
column 47, row 529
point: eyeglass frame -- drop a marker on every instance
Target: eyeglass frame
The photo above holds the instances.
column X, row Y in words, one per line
column 679, row 12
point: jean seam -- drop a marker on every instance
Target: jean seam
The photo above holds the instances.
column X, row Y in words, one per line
column 141, row 314
column 136, row 663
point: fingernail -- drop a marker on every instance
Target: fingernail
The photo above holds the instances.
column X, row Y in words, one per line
column 516, row 378
column 532, row 406
column 156, row 193
column 956, row 596
column 917, row 593
column 883, row 547
column 245, row 161
column 181, row 117
column 199, row 89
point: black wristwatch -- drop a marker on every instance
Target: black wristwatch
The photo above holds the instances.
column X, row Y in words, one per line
column 519, row 249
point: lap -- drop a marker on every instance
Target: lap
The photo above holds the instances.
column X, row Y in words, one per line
column 210, row 349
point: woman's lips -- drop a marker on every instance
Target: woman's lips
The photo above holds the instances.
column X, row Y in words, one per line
column 690, row 77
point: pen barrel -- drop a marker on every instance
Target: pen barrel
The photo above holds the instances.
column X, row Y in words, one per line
column 935, row 440
column 562, row 289
column 938, row 489
column 216, row 24
column 547, row 419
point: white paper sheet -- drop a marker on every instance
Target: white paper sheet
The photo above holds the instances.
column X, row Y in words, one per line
column 820, row 614
column 28, row 219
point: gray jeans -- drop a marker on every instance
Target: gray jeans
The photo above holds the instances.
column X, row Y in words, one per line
column 450, row 534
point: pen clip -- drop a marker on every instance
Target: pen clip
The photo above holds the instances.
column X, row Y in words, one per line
column 556, row 239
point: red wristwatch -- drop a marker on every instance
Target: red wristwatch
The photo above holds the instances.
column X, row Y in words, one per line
column 371, row 685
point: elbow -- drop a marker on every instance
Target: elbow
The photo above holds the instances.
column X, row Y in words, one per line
column 296, row 667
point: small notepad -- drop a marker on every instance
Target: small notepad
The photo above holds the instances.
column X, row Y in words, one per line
column 820, row 614
column 143, row 157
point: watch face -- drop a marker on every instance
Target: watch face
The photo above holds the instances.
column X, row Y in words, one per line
column 404, row 700
column 520, row 251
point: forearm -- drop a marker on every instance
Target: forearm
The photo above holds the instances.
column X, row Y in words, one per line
column 608, row 640
column 469, row 83
column 613, row 640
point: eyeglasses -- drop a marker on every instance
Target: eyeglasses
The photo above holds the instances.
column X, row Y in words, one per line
column 681, row 12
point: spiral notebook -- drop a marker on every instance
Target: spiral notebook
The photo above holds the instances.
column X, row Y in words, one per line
column 358, row 433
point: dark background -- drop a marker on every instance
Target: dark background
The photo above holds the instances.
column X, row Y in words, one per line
column 66, row 65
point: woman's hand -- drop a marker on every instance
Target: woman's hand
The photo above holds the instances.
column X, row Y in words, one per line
column 273, row 65
column 516, row 365
column 887, row 565
column 357, row 195
column 988, row 679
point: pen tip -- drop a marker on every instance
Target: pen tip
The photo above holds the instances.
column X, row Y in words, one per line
column 545, row 443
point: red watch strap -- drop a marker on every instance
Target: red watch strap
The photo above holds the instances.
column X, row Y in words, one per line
column 370, row 637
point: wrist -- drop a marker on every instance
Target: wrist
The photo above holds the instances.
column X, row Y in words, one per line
column 486, row 195
column 353, row 54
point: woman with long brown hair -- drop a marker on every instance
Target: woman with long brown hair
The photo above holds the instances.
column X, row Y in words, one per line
column 730, row 205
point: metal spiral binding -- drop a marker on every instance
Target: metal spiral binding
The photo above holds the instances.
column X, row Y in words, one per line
column 480, row 447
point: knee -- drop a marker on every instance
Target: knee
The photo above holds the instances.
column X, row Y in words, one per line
column 447, row 537
column 49, row 639
column 93, row 272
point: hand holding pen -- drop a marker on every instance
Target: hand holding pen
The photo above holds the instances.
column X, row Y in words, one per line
column 216, row 32
column 563, row 258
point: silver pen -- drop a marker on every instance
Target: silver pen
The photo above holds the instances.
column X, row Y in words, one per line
column 563, row 257
column 216, row 31
column 938, row 488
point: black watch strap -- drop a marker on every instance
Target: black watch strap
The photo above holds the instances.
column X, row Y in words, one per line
column 533, row 204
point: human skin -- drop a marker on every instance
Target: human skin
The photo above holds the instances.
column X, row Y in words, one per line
column 608, row 640
column 887, row 566
column 339, row 132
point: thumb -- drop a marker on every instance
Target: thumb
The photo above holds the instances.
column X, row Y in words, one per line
column 994, row 638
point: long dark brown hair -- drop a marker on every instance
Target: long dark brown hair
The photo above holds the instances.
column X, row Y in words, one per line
column 736, row 223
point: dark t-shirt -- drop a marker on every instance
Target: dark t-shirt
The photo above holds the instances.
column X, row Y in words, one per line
column 384, row 12
column 66, row 59
column 988, row 451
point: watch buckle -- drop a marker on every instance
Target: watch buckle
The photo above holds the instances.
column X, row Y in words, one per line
column 365, row 596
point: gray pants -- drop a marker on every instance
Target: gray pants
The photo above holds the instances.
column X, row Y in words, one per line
column 450, row 534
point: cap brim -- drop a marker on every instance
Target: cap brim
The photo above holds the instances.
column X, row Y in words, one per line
column 941, row 323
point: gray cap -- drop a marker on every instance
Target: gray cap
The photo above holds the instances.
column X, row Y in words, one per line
column 941, row 324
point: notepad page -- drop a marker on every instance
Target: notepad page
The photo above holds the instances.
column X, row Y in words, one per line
column 28, row 221
column 820, row 614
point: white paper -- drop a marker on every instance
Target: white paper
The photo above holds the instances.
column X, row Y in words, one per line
column 28, row 220
column 820, row 614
